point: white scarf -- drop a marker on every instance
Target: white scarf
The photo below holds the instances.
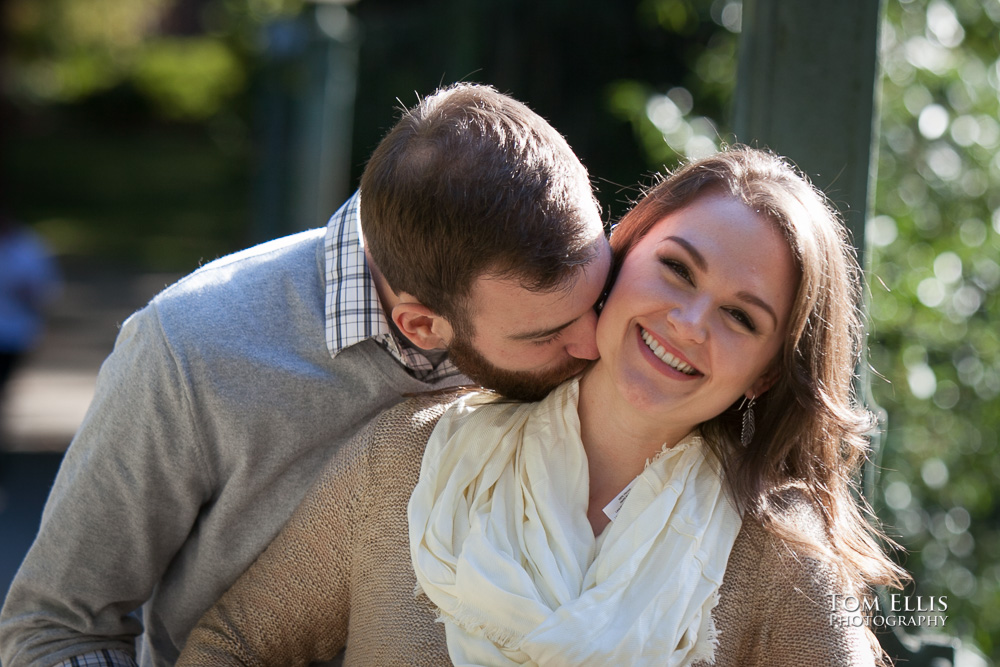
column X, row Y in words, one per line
column 501, row 543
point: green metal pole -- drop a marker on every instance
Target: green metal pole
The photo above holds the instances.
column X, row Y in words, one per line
column 807, row 88
column 305, row 111
column 326, row 114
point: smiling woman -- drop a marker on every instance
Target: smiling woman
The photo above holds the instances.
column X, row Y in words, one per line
column 627, row 517
column 809, row 426
column 704, row 223
column 694, row 322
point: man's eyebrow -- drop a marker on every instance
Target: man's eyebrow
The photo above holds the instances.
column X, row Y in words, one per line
column 545, row 333
column 542, row 333
column 699, row 260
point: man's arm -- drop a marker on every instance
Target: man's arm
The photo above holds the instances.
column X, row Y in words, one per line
column 341, row 562
column 293, row 605
column 125, row 499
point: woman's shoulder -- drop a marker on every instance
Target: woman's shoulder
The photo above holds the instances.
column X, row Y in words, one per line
column 791, row 506
column 400, row 433
column 393, row 438
column 777, row 595
column 789, row 540
column 416, row 414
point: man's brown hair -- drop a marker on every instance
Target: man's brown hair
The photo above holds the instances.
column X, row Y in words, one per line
column 471, row 182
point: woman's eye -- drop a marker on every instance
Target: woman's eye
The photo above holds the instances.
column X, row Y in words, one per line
column 678, row 268
column 742, row 318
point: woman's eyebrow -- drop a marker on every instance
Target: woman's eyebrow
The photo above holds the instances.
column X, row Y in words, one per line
column 700, row 262
column 747, row 297
column 698, row 258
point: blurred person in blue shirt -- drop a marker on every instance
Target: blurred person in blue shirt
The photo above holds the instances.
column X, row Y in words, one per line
column 28, row 282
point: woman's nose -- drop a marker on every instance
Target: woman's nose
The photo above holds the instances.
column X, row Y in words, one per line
column 581, row 337
column 689, row 321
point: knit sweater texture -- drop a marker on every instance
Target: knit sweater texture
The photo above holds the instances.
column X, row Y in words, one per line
column 212, row 417
column 339, row 577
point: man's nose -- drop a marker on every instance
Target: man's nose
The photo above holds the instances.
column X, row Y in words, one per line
column 581, row 337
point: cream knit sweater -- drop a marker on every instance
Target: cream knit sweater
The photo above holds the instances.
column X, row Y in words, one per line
column 339, row 578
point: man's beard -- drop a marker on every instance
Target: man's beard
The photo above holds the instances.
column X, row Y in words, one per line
column 518, row 385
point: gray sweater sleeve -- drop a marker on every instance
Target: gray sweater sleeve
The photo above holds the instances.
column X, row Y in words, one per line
column 338, row 575
column 292, row 606
column 125, row 499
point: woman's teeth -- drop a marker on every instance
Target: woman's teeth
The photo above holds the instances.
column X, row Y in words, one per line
column 666, row 357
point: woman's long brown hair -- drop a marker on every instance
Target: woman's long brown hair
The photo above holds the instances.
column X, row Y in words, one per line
column 811, row 431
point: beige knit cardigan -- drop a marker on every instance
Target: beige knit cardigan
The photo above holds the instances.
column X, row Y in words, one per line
column 339, row 578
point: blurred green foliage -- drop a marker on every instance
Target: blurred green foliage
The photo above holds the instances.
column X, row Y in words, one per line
column 665, row 116
column 135, row 130
column 188, row 77
column 934, row 278
column 129, row 125
column 161, row 200
column 188, row 66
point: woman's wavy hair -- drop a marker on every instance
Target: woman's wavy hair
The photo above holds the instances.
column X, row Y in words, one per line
column 811, row 430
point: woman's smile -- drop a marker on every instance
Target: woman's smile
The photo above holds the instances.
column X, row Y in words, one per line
column 672, row 359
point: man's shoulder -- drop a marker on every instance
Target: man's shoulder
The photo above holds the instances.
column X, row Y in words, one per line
column 243, row 291
column 260, row 263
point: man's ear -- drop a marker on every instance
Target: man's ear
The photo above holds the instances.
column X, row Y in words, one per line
column 425, row 328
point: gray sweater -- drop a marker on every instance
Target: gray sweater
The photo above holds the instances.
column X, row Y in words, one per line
column 213, row 415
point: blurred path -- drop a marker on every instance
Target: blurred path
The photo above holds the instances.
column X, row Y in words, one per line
column 49, row 395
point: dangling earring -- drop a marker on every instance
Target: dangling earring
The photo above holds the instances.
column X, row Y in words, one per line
column 746, row 434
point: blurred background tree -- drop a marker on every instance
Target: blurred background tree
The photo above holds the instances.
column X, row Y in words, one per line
column 934, row 278
column 132, row 136
column 135, row 124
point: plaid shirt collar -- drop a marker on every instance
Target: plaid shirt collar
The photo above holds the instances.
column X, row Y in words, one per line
column 353, row 310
